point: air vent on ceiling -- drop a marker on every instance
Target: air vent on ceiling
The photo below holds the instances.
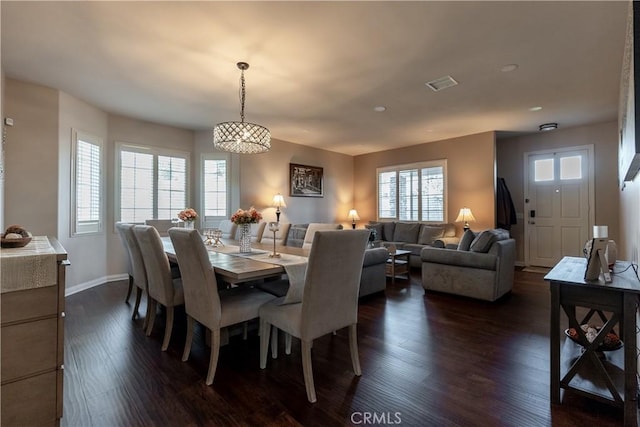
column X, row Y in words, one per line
column 441, row 83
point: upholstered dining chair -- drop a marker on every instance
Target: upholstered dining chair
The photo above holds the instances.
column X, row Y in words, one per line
column 311, row 231
column 329, row 299
column 163, row 288
column 203, row 302
column 281, row 235
column 162, row 225
column 228, row 229
column 137, row 273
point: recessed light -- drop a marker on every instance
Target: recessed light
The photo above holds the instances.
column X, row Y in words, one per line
column 509, row 68
column 535, row 108
column 380, row 108
column 549, row 126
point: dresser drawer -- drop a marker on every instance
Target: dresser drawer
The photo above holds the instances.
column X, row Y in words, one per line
column 31, row 402
column 29, row 304
column 29, row 348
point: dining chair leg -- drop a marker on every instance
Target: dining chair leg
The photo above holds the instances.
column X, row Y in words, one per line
column 189, row 339
column 145, row 324
column 274, row 342
column 168, row 328
column 152, row 315
column 308, row 370
column 130, row 289
column 265, row 329
column 137, row 304
column 287, row 343
column 213, row 360
column 353, row 346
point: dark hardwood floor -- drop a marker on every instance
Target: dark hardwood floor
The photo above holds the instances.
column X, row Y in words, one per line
column 434, row 360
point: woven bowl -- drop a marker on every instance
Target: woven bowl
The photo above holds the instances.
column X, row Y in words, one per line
column 14, row 243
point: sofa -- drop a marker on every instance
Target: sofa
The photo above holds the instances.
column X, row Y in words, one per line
column 372, row 280
column 413, row 236
column 481, row 267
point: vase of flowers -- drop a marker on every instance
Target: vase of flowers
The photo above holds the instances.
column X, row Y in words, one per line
column 244, row 219
column 188, row 216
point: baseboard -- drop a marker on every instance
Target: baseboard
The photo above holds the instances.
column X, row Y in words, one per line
column 93, row 283
column 520, row 264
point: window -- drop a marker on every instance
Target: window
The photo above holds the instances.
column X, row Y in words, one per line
column 215, row 176
column 86, row 182
column 415, row 192
column 152, row 183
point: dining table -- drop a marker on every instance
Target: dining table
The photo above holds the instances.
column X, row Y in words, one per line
column 234, row 267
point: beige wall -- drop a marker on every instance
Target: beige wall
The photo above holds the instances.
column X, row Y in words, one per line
column 629, row 241
column 470, row 176
column 88, row 254
column 261, row 176
column 603, row 136
column 31, row 153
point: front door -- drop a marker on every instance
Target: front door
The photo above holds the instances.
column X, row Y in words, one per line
column 558, row 194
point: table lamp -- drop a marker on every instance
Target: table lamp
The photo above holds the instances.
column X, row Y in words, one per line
column 353, row 216
column 465, row 216
column 278, row 202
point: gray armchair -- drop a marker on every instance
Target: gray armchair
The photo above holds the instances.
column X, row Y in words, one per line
column 485, row 273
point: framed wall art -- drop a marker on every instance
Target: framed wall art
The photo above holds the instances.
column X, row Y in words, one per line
column 305, row 181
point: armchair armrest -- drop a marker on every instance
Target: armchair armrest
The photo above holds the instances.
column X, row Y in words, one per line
column 459, row 258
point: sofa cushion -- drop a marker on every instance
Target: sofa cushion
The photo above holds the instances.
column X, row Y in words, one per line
column 429, row 233
column 406, row 232
column 388, row 228
column 482, row 243
column 465, row 242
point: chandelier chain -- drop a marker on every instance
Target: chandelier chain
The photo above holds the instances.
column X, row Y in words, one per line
column 242, row 95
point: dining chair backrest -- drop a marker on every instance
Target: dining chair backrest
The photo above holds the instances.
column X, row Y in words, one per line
column 311, row 231
column 125, row 230
column 332, row 281
column 162, row 225
column 156, row 264
column 281, row 234
column 228, row 229
column 257, row 231
column 201, row 298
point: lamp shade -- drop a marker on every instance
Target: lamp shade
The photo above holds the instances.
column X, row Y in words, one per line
column 278, row 201
column 465, row 216
column 353, row 215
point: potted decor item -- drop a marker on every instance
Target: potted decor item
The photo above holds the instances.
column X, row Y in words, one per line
column 188, row 216
column 244, row 219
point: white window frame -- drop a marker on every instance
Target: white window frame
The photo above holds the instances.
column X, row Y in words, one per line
column 76, row 227
column 214, row 221
column 155, row 151
column 411, row 166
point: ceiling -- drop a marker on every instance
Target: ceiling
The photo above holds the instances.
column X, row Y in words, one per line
column 318, row 69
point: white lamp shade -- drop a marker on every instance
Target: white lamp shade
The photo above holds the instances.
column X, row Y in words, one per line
column 465, row 215
column 353, row 215
column 278, row 201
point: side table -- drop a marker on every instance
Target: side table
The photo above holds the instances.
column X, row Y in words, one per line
column 611, row 377
column 398, row 264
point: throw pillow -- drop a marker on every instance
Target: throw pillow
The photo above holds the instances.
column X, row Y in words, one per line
column 449, row 230
column 483, row 242
column 429, row 233
column 465, row 241
column 406, row 232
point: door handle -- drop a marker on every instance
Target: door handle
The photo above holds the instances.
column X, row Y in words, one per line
column 532, row 222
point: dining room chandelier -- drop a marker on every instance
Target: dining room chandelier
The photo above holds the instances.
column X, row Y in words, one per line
column 241, row 137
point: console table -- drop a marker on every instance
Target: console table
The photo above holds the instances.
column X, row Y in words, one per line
column 609, row 376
